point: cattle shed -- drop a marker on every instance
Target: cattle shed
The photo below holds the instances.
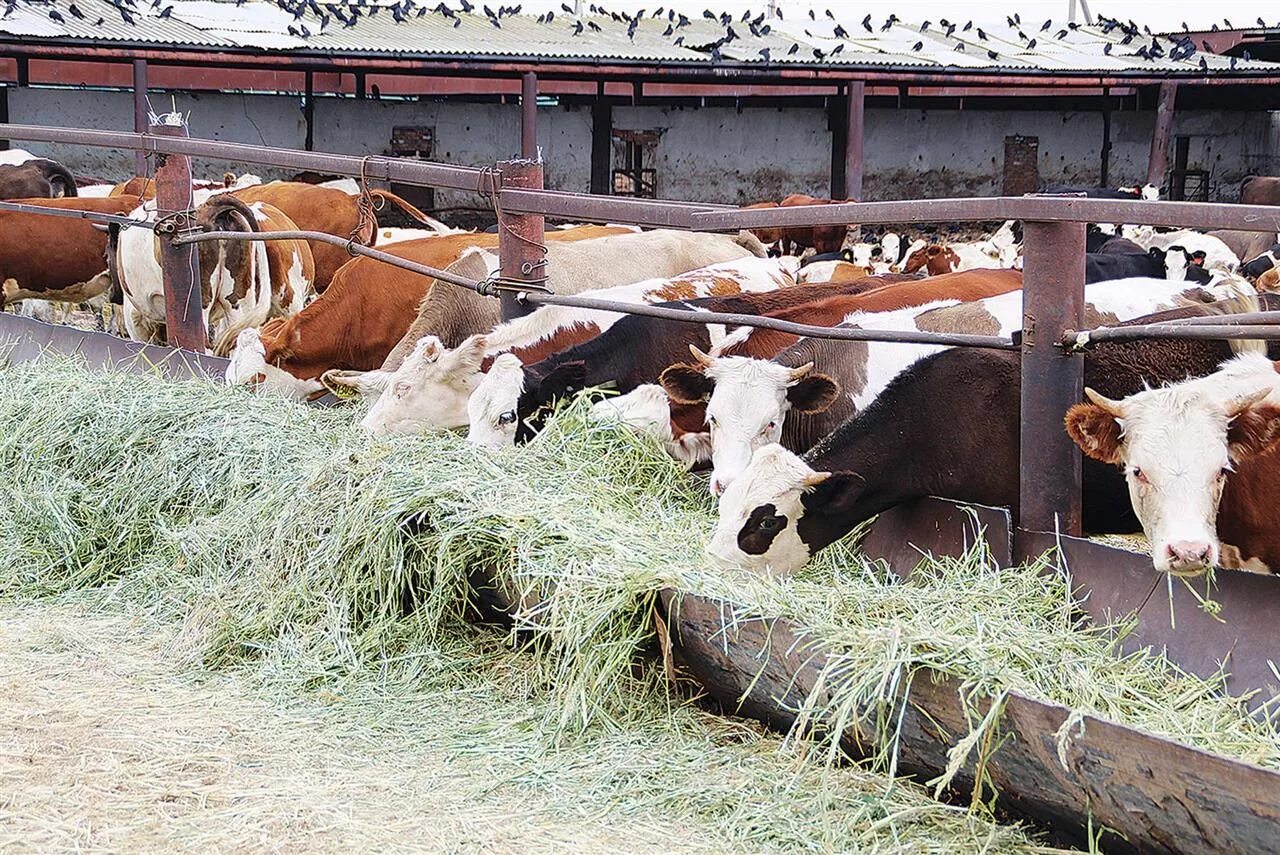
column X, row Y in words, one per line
column 724, row 110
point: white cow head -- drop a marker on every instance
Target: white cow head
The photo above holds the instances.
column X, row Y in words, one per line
column 646, row 409
column 747, row 401
column 1177, row 446
column 491, row 410
column 429, row 391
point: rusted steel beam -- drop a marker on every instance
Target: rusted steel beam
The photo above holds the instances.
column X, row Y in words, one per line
column 1158, row 160
column 522, row 246
column 1069, row 209
column 529, row 115
column 1157, row 795
column 1240, row 319
column 93, row 216
column 140, row 112
column 386, row 168
column 184, row 317
column 854, row 122
column 1052, row 380
column 585, row 207
column 309, row 111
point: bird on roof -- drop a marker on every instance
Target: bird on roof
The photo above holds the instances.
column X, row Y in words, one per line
column 715, row 54
column 813, row 16
column 951, row 28
column 729, row 34
column 1017, row 19
column 1031, row 45
column 1247, row 56
column 75, row 11
column 1009, row 18
column 889, row 22
column 1106, row 49
column 578, row 28
column 793, row 50
column 918, row 46
column 57, row 16
column 1261, row 23
column 593, row 26
column 725, row 19
column 840, row 32
column 818, row 54
column 1046, row 25
column 981, row 35
column 959, row 46
column 866, row 23
column 166, row 12
column 293, row 32
column 1233, row 63
column 669, row 30
column 1061, row 34
column 829, row 15
column 839, row 49
column 679, row 42
column 992, row 55
column 1142, row 52
column 631, row 29
column 682, row 21
column 1228, row 23
column 764, row 53
column 968, row 25
column 924, row 28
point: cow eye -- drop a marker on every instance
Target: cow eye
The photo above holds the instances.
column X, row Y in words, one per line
column 402, row 388
column 1224, row 472
column 507, row 418
column 771, row 523
column 1137, row 473
column 769, row 428
column 711, row 420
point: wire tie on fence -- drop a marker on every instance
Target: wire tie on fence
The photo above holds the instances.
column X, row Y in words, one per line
column 176, row 222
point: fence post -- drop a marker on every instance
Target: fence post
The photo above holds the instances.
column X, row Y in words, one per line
column 184, row 319
column 140, row 112
column 1052, row 302
column 522, row 254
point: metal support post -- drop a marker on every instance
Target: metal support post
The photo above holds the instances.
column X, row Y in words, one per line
column 1158, row 162
column 529, row 116
column 184, row 318
column 854, row 121
column 1052, row 380
column 140, row 112
column 522, row 254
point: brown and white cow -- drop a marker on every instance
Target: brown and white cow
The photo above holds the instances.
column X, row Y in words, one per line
column 431, row 390
column 821, row 238
column 56, row 258
column 366, row 311
column 243, row 283
column 325, row 209
column 1193, row 454
column 36, row 179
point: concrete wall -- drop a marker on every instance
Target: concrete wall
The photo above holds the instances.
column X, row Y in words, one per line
column 716, row 154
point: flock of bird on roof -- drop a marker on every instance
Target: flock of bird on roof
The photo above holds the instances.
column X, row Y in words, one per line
column 348, row 13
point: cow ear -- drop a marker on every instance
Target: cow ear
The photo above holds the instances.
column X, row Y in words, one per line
column 1096, row 430
column 1255, row 426
column 686, row 384
column 833, row 492
column 813, row 394
column 565, row 379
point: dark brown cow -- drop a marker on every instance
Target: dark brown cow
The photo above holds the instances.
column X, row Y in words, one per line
column 822, row 238
column 36, row 179
column 1260, row 190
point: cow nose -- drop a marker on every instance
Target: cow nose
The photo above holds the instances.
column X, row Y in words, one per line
column 1189, row 554
column 717, row 487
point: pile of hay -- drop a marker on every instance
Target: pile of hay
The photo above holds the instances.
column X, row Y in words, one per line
column 283, row 537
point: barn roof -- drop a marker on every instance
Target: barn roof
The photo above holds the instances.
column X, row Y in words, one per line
column 410, row 29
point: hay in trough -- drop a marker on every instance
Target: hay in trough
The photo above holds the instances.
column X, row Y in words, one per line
column 284, row 538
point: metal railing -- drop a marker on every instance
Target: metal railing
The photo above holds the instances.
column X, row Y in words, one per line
column 1053, row 286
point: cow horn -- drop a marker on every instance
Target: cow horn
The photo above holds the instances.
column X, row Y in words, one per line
column 702, row 358
column 1110, row 406
column 801, row 372
column 813, row 479
column 1240, row 403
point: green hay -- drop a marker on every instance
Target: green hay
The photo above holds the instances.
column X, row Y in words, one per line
column 283, row 537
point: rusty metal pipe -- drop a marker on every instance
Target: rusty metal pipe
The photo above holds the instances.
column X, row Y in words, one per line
column 140, row 111
column 95, row 216
column 179, row 265
column 1239, row 319
column 1078, row 341
column 385, row 168
column 529, row 115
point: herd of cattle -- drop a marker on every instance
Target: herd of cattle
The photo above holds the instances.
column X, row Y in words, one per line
column 805, row 438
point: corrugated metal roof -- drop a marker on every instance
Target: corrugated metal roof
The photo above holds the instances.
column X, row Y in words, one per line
column 411, row 29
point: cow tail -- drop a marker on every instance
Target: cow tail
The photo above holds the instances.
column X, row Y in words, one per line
column 56, row 172
column 384, row 196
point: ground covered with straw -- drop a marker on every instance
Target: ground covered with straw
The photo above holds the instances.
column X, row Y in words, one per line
column 324, row 575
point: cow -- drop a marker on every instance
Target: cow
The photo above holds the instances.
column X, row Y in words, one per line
column 431, row 393
column 370, row 306
column 1269, row 281
column 37, row 179
column 15, row 156
column 748, row 401
column 1148, row 192
column 821, row 238
column 767, row 236
column 999, row 251
column 1218, row 256
column 1261, row 262
column 948, row 426
column 323, row 209
column 56, row 258
column 1246, row 245
column 1191, row 453
column 1260, row 190
column 454, row 314
column 636, row 350
column 1181, row 264
column 244, row 283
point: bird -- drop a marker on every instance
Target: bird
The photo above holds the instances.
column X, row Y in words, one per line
column 730, row 35
column 924, row 28
column 1017, row 19
column 75, row 12
column 1207, row 49
column 968, row 25
column 829, row 15
column 593, row 26
column 812, row 16
column 839, row 49
column 669, row 30
column 578, row 28
column 840, row 32
column 1009, row 18
column 99, row 22
column 951, row 28
column 293, row 32
column 566, row 8
column 1204, row 66
column 918, row 46
column 1031, row 45
column 764, row 52
column 866, row 23
column 1228, row 23
column 679, row 41
column 1261, row 23
column 715, row 54
column 1061, row 34
column 57, row 16
column 959, row 46
column 992, row 55
column 981, row 35
column 1142, row 52
column 793, row 50
column 818, row 54
column 631, row 29
column 1107, row 48
column 166, row 12
column 1233, row 62
column 1247, row 56
column 1046, row 25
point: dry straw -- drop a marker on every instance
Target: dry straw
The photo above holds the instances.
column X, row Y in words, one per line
column 282, row 536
